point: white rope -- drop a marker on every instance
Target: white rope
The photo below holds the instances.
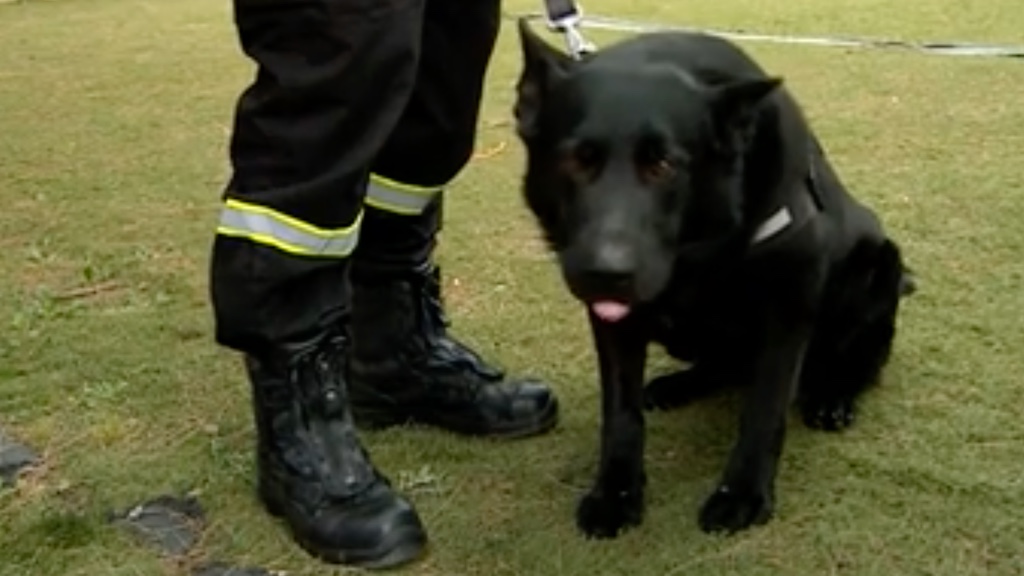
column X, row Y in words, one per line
column 939, row 48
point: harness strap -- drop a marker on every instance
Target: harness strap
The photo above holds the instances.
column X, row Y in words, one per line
column 799, row 211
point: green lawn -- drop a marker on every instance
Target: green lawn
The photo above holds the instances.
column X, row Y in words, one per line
column 113, row 123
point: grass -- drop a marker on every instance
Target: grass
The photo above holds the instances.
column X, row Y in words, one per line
column 112, row 146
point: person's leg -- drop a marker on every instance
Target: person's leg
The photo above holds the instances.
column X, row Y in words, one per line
column 332, row 77
column 405, row 365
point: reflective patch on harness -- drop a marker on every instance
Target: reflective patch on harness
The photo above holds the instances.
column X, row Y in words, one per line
column 405, row 199
column 269, row 227
column 773, row 225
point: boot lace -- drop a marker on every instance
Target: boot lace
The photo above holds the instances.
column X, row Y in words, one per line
column 332, row 447
column 445, row 348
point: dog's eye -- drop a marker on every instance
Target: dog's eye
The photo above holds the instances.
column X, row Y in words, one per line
column 653, row 162
column 587, row 154
column 582, row 159
column 660, row 169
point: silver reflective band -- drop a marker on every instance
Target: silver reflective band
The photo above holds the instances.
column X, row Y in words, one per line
column 265, row 226
column 773, row 225
column 400, row 200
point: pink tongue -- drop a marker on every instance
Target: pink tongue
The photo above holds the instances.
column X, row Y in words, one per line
column 610, row 311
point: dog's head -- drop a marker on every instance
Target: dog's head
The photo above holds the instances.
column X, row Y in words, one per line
column 628, row 161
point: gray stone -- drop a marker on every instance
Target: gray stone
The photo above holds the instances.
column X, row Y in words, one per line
column 14, row 457
column 220, row 569
column 171, row 524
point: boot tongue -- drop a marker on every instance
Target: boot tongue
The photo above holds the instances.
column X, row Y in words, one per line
column 609, row 310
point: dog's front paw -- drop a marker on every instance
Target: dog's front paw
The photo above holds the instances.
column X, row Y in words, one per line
column 674, row 390
column 730, row 509
column 606, row 515
column 832, row 415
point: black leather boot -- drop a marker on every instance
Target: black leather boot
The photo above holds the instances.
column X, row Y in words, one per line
column 313, row 471
column 406, row 368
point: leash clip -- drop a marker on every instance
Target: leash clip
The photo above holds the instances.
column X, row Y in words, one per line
column 565, row 16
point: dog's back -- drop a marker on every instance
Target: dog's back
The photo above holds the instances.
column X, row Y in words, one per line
column 708, row 58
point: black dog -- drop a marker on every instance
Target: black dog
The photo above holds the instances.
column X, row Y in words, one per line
column 690, row 204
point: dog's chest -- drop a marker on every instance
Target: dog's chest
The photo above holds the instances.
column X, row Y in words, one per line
column 696, row 312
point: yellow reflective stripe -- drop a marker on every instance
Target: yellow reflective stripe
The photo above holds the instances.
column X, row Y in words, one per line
column 391, row 196
column 293, row 222
column 413, row 189
column 287, row 233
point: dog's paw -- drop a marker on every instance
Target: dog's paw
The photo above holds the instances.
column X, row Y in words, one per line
column 730, row 510
column 606, row 515
column 673, row 390
column 831, row 415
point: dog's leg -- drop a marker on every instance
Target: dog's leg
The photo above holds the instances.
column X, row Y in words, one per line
column 677, row 389
column 745, row 494
column 616, row 500
column 854, row 342
column 714, row 369
column 704, row 379
column 836, row 378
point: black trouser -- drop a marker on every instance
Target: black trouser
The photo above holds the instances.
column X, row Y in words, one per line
column 360, row 112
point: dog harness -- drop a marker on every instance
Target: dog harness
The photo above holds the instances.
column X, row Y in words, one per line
column 793, row 215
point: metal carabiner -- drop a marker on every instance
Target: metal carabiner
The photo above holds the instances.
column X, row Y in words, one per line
column 565, row 16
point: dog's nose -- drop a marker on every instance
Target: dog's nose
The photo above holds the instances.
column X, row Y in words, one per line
column 614, row 259
column 612, row 268
column 609, row 284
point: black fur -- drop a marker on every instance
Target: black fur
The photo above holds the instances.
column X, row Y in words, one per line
column 650, row 165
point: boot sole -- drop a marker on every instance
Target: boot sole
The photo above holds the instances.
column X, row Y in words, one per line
column 403, row 547
column 411, row 547
column 382, row 418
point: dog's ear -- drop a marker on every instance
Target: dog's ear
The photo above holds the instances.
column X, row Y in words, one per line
column 542, row 65
column 733, row 104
